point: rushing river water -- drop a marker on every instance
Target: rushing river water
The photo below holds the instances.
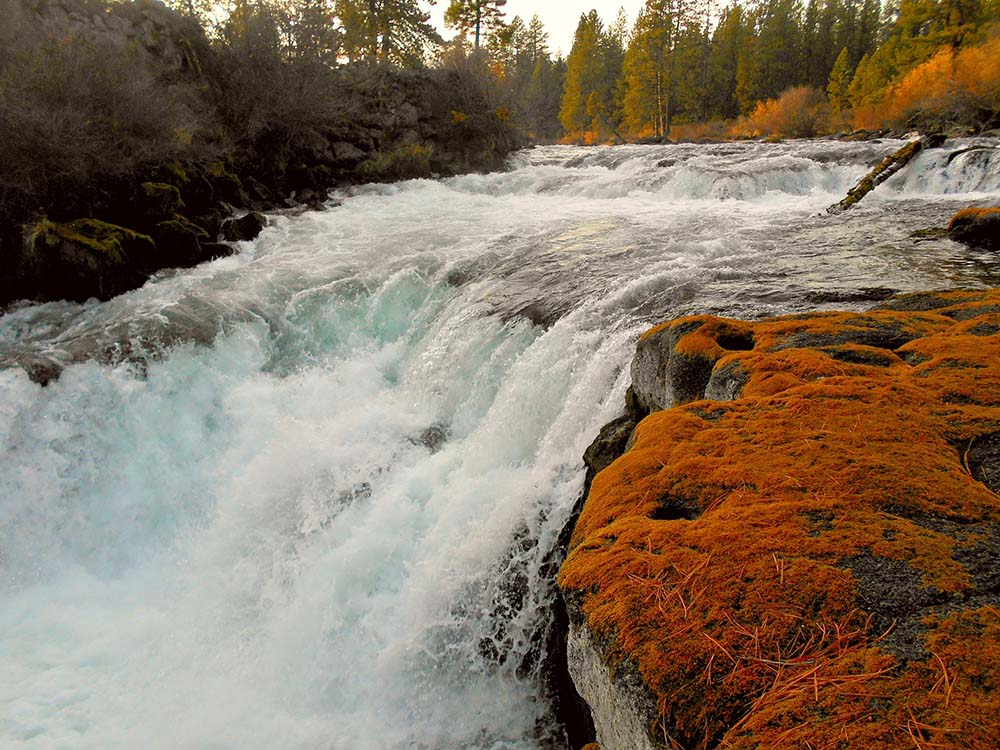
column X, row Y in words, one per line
column 298, row 498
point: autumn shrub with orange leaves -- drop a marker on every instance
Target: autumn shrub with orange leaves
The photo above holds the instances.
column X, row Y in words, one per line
column 952, row 88
column 800, row 112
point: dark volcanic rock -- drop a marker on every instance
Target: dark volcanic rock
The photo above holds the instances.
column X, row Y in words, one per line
column 244, row 228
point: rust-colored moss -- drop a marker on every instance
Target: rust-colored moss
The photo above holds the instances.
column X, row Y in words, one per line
column 974, row 213
column 742, row 612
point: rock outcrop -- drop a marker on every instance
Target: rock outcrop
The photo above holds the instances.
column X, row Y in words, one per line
column 800, row 545
column 168, row 133
column 978, row 227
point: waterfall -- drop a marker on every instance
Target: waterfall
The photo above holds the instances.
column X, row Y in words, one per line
column 301, row 497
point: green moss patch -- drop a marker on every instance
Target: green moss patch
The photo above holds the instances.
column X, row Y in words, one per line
column 108, row 240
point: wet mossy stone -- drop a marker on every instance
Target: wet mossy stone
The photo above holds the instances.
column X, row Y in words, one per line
column 178, row 241
column 245, row 228
column 159, row 199
column 85, row 258
column 674, row 363
column 226, row 186
column 258, row 190
column 210, row 221
column 976, row 227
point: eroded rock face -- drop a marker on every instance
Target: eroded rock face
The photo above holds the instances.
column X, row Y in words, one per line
column 619, row 701
column 813, row 551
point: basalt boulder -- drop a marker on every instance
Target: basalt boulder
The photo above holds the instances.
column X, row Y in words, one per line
column 244, row 228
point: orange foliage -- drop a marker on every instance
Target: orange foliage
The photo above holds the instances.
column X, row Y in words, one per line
column 714, row 130
column 799, row 112
column 951, row 88
column 928, row 87
column 717, row 552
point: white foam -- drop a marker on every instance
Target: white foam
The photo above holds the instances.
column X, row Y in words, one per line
column 254, row 545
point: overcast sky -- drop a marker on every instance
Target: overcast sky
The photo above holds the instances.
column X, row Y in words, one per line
column 559, row 16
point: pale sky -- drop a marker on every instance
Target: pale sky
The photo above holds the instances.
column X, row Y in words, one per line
column 559, row 16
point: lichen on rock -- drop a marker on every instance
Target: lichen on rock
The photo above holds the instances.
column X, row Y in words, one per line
column 793, row 566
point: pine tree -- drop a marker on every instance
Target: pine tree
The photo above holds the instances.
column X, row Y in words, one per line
column 395, row 31
column 475, row 16
column 537, row 39
column 840, row 82
column 652, row 62
column 582, row 73
column 730, row 36
column 543, row 98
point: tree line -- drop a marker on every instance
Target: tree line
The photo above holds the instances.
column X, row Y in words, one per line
column 687, row 61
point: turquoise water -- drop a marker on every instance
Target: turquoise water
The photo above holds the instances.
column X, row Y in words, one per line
column 299, row 497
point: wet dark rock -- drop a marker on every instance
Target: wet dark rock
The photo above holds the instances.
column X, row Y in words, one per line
column 976, row 227
column 862, row 355
column 214, row 250
column 226, row 186
column 609, row 444
column 727, row 382
column 917, row 302
column 210, row 222
column 986, row 328
column 983, row 460
column 893, row 593
column 245, row 228
column 311, row 197
column 258, row 191
column 83, row 259
column 41, row 370
column 663, row 377
column 434, row 437
column 159, row 200
column 866, row 331
column 178, row 242
column 874, row 294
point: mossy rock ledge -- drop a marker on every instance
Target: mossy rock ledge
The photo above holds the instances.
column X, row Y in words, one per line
column 800, row 545
column 82, row 259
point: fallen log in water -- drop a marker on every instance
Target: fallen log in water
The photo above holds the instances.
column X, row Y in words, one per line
column 882, row 172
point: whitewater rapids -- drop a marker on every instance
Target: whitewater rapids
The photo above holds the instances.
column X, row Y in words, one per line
column 299, row 498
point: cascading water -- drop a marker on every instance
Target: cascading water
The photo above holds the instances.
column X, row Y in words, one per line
column 301, row 497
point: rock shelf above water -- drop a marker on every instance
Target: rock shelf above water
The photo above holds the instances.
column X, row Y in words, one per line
column 800, row 545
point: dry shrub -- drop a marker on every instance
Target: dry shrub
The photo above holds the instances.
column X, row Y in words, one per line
column 713, row 130
column 800, row 112
column 83, row 104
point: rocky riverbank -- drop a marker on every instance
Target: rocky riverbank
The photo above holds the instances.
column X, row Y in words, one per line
column 799, row 546
column 165, row 147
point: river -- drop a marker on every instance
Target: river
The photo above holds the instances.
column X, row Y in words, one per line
column 299, row 498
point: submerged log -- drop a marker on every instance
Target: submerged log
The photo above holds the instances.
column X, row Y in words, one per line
column 882, row 172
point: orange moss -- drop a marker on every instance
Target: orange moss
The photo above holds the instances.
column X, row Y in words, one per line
column 972, row 212
column 718, row 552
